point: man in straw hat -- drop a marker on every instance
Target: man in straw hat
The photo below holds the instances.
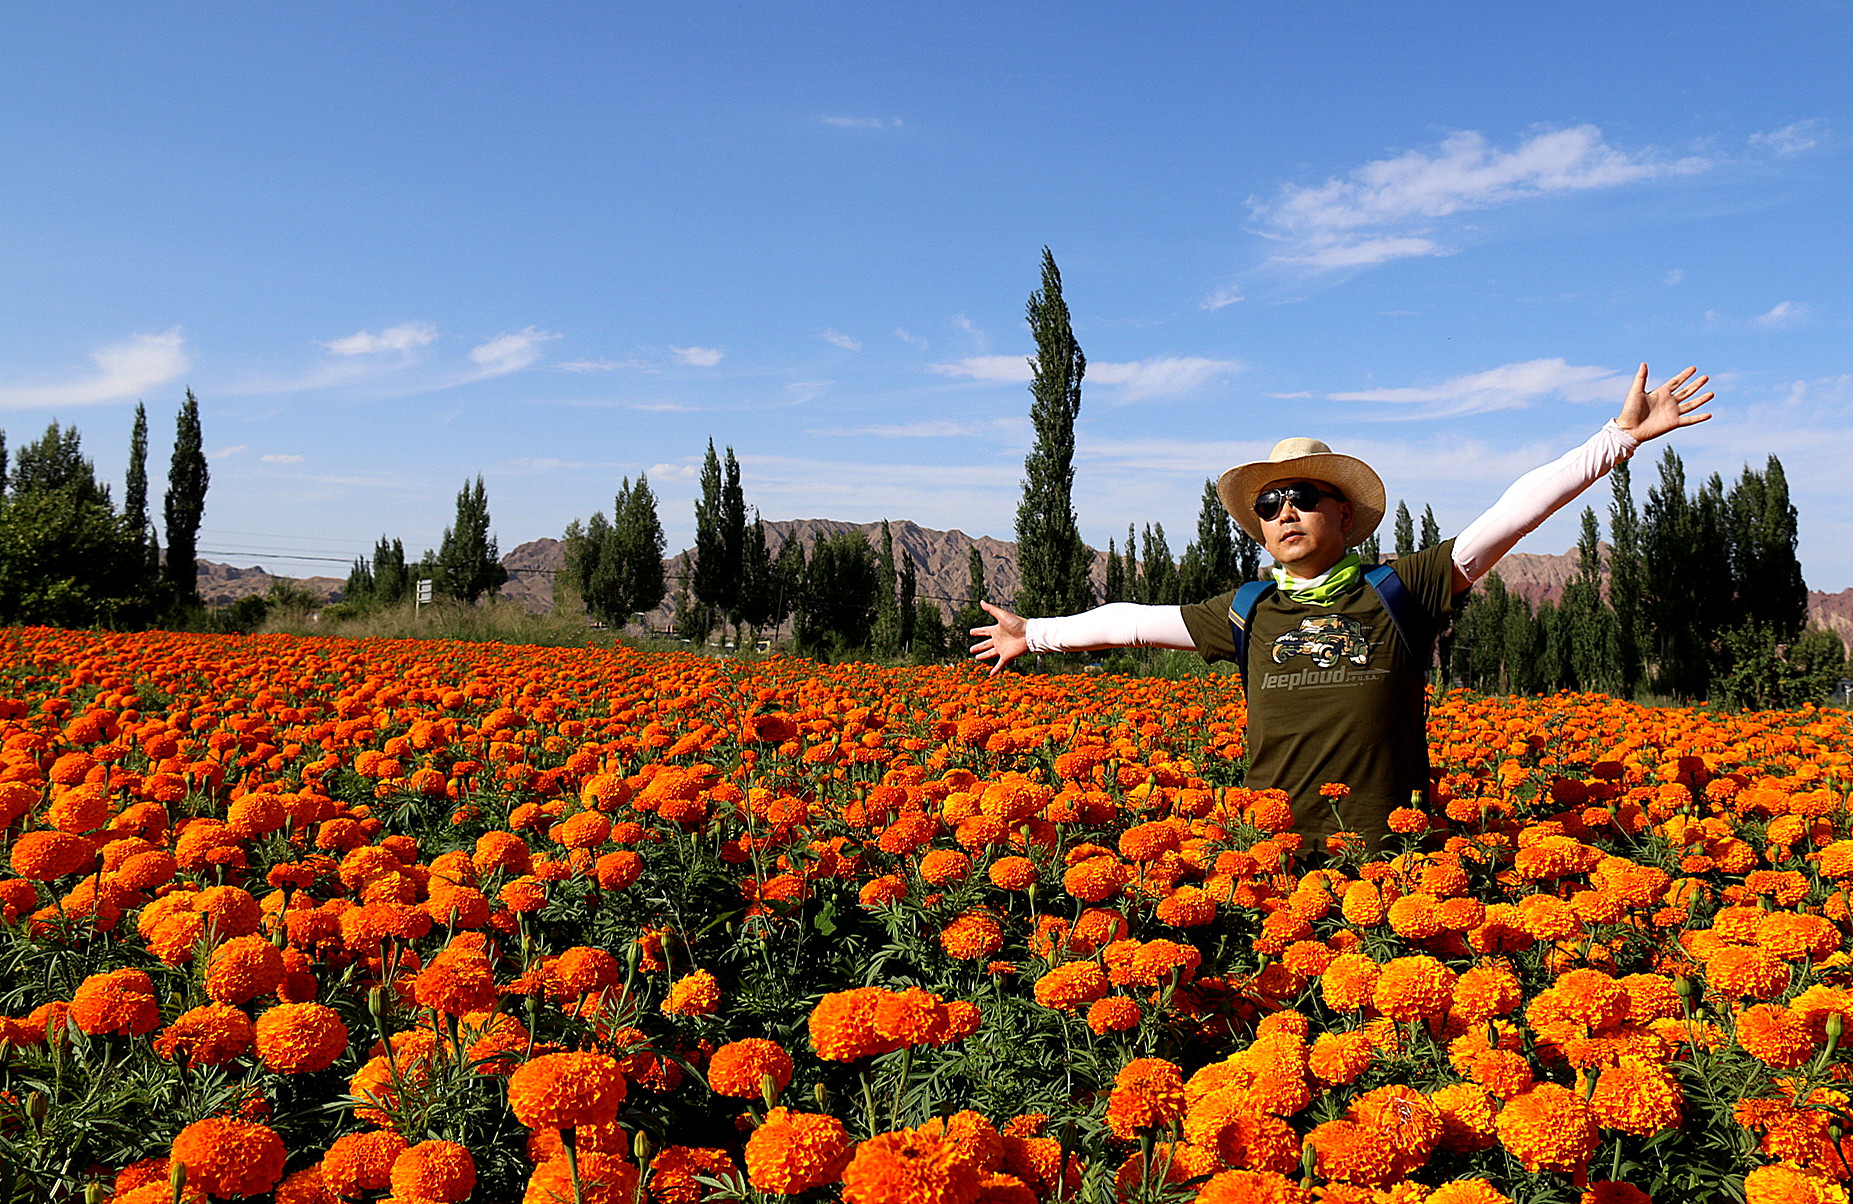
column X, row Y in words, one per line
column 1334, row 664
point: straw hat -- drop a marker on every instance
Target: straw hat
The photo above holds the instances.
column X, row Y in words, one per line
column 1313, row 460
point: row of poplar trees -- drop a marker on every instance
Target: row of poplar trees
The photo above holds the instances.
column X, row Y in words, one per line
column 1702, row 599
column 467, row 565
column 69, row 557
column 843, row 595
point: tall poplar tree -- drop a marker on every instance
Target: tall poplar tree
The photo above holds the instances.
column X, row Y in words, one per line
column 1116, row 576
column 1405, row 531
column 1049, row 548
column 1588, row 624
column 185, row 504
column 1431, row 530
column 885, row 633
column 1625, row 580
column 1211, row 564
column 468, row 563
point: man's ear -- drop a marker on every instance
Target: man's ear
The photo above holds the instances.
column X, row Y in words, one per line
column 1348, row 513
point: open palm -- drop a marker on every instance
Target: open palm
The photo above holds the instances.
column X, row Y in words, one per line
column 1673, row 405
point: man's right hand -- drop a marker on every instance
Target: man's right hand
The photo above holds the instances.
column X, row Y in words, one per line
column 1002, row 641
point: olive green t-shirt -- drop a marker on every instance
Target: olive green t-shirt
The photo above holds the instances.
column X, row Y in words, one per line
column 1335, row 696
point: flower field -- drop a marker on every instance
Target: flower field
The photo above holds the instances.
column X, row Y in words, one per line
column 321, row 920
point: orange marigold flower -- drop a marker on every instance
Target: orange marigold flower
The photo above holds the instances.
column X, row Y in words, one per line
column 1337, row 1058
column 305, row 1186
column 1148, row 1093
column 434, row 1170
column 694, row 994
column 582, row 970
column 120, row 1001
column 244, row 968
column 1549, row 1127
column 1466, row 1118
column 1187, row 907
column 228, row 1157
column 1071, row 984
column 1013, row 873
column 604, row 1178
column 1352, row 1153
column 793, row 1152
column 564, row 1090
column 739, row 1067
column 457, row 981
column 1232, row 1123
column 842, row 1025
column 207, row 1036
column 672, row 1172
column 1149, row 841
column 908, row 1167
column 1775, row 1035
column 525, row 894
column 972, row 936
column 1096, row 879
column 43, row 856
column 944, row 866
column 619, row 870
column 1349, row 982
column 300, row 1038
column 876, row 892
column 1114, row 1014
column 1636, row 1095
column 1780, row 1183
column 1741, row 972
column 1484, row 992
column 1410, row 988
column 1252, row 1187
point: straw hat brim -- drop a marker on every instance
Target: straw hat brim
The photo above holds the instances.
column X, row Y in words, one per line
column 1362, row 487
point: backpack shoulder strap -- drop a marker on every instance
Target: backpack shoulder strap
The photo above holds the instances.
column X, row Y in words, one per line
column 1405, row 612
column 1241, row 610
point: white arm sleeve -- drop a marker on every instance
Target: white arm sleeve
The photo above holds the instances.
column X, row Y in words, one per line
column 1115, row 625
column 1536, row 496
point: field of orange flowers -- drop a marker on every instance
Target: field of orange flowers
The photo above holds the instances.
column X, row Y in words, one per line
column 324, row 920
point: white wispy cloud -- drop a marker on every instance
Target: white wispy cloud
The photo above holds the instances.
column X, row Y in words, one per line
column 672, row 472
column 1672, row 277
column 1162, row 376
column 971, row 328
column 999, row 368
column 1227, row 295
column 223, row 452
column 1507, row 387
column 123, row 370
column 507, row 353
column 1290, row 396
column 862, row 123
column 1793, row 138
column 1384, row 210
column 698, row 357
column 1140, row 380
column 931, row 429
column 905, row 337
column 1783, row 313
column 279, row 458
column 408, row 336
column 837, row 338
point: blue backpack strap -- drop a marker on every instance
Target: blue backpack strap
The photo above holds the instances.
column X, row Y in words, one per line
column 1241, row 610
column 1405, row 612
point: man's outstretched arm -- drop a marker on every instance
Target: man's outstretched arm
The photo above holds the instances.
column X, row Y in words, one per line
column 1541, row 492
column 1115, row 625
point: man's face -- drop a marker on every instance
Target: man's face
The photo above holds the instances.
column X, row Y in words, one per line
column 1311, row 540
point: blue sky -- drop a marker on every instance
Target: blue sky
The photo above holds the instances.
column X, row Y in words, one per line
column 391, row 247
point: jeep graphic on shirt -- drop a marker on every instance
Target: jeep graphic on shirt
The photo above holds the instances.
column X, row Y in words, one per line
column 1325, row 638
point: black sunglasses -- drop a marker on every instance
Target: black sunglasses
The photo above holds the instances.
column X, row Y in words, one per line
column 1303, row 494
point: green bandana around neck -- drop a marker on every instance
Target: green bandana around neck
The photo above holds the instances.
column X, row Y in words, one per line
column 1340, row 580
